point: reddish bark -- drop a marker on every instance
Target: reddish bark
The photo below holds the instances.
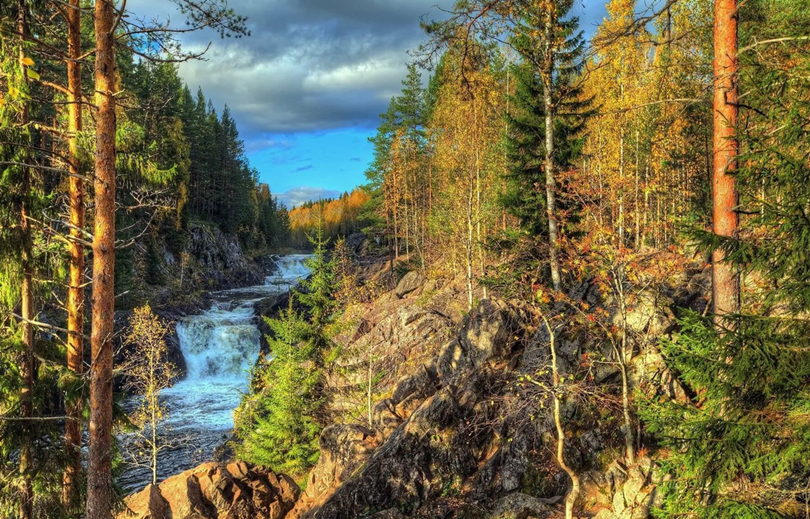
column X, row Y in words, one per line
column 99, row 476
column 725, row 281
column 75, row 301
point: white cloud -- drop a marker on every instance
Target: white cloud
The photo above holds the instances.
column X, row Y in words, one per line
column 299, row 195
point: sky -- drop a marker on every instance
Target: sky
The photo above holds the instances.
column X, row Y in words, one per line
column 307, row 86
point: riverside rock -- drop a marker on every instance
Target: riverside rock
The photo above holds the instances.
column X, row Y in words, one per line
column 216, row 491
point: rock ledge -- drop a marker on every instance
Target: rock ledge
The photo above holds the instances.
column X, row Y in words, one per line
column 216, row 491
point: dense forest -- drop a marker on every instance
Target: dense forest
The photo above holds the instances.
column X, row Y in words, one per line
column 535, row 159
column 170, row 160
column 520, row 162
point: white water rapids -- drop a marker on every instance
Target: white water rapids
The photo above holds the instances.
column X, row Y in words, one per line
column 220, row 346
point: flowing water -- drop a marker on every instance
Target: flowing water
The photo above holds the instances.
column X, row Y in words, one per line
column 220, row 346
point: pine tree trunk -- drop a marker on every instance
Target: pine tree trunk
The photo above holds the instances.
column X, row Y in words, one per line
column 26, row 300
column 75, row 300
column 725, row 282
column 551, row 196
column 99, row 474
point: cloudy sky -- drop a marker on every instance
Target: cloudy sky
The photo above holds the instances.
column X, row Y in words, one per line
column 307, row 87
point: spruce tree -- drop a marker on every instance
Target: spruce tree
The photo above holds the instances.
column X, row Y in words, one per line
column 525, row 197
column 276, row 421
column 280, row 420
column 740, row 444
column 316, row 295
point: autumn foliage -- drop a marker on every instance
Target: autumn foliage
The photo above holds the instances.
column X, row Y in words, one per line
column 339, row 217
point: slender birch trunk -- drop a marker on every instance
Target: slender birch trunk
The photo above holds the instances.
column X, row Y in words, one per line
column 551, row 190
column 573, row 494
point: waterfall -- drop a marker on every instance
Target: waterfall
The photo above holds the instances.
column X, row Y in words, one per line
column 222, row 343
column 220, row 347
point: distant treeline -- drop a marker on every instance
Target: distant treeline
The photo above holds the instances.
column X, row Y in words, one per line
column 339, row 217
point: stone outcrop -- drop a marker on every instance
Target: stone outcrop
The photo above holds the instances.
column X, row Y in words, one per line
column 422, row 425
column 215, row 491
column 456, row 437
column 410, row 282
column 219, row 261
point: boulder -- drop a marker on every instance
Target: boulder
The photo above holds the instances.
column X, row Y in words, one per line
column 216, row 491
column 185, row 497
column 409, row 283
column 147, row 504
column 520, row 506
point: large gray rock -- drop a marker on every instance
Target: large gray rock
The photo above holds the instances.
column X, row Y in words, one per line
column 409, row 283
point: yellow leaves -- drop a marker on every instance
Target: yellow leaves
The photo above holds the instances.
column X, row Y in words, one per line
column 334, row 212
column 542, row 296
column 31, row 73
column 27, row 62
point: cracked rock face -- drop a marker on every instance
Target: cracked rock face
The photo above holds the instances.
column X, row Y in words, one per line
column 216, row 491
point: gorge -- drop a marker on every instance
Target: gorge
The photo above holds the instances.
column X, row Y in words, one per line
column 220, row 347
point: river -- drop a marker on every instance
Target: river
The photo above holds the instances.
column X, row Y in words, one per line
column 220, row 346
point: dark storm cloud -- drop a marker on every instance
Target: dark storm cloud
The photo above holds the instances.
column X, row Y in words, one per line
column 309, row 64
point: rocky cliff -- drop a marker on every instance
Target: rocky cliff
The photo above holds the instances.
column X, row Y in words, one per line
column 176, row 275
column 458, row 432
